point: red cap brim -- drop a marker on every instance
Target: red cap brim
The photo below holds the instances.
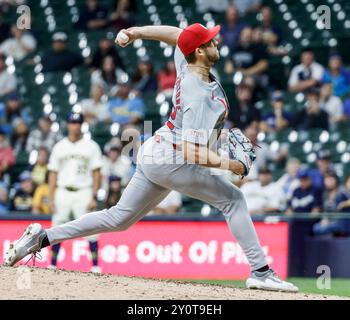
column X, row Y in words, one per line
column 213, row 33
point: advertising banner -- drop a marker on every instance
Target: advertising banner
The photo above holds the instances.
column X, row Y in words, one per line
column 165, row 249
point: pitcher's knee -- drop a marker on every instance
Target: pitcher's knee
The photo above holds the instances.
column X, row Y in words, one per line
column 236, row 203
column 121, row 219
column 238, row 194
column 123, row 226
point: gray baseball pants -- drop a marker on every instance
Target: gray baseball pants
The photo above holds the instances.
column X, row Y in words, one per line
column 150, row 184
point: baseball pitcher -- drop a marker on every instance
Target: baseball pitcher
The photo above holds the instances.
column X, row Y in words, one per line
column 178, row 157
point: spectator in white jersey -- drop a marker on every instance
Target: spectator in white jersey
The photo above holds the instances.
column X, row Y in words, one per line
column 263, row 196
column 307, row 74
column 19, row 45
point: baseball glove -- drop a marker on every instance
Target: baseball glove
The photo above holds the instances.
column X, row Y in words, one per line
column 240, row 148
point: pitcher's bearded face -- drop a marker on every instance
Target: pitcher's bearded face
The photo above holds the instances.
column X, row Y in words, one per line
column 211, row 51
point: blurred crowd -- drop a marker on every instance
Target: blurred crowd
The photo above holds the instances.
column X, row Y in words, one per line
column 117, row 97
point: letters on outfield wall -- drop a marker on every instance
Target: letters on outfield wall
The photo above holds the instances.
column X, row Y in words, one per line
column 165, row 249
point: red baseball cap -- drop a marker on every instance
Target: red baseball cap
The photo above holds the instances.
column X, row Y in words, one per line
column 194, row 36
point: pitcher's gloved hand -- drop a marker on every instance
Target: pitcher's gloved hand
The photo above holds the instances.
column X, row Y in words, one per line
column 241, row 149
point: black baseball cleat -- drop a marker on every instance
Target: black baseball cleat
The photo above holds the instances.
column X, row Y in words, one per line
column 29, row 243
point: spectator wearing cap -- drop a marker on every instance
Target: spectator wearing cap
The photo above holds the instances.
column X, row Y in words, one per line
column 19, row 135
column 278, row 119
column 8, row 81
column 306, row 198
column 4, row 203
column 245, row 113
column 92, row 16
column 42, row 136
column 167, row 78
column 337, row 75
column 60, row 57
column 231, row 29
column 307, row 74
column 95, row 109
column 126, row 108
column 143, row 78
column 332, row 104
column 109, row 77
column 7, row 155
column 311, row 116
column 170, row 205
column 333, row 202
column 114, row 163
column 324, row 164
column 106, row 48
column 250, row 59
column 114, row 191
column 22, row 193
column 19, row 45
column 39, row 169
column 264, row 195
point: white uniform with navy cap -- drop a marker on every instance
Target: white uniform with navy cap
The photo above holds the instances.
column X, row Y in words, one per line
column 74, row 163
column 199, row 108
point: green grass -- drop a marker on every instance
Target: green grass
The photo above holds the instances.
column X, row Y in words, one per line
column 339, row 287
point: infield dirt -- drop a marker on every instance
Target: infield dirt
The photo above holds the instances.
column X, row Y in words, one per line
column 38, row 283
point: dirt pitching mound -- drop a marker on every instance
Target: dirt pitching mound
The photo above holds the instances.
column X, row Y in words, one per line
column 38, row 283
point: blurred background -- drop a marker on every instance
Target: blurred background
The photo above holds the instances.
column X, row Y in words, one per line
column 286, row 76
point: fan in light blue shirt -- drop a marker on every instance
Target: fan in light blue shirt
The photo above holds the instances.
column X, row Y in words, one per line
column 337, row 75
column 124, row 109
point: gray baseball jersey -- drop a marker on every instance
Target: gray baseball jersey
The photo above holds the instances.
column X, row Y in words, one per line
column 199, row 108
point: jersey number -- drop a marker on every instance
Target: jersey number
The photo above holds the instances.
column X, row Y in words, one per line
column 173, row 113
column 82, row 169
column 173, row 117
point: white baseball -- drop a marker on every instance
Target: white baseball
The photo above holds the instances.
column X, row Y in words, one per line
column 122, row 37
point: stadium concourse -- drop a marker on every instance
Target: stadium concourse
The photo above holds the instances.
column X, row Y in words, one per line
column 286, row 75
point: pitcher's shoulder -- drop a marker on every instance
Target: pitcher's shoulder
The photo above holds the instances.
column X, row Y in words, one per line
column 190, row 85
